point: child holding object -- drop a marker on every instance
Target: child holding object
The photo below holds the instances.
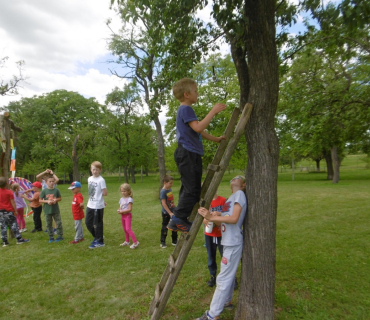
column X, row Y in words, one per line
column 188, row 155
column 20, row 204
column 35, row 205
column 231, row 219
column 77, row 211
column 125, row 208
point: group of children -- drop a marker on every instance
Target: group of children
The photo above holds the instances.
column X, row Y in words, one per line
column 228, row 214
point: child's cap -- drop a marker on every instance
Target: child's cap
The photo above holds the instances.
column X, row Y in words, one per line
column 75, row 184
column 37, row 184
column 238, row 177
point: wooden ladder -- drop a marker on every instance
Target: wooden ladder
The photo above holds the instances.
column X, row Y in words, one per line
column 210, row 184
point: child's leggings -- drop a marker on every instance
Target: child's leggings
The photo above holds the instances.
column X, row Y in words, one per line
column 126, row 225
column 20, row 218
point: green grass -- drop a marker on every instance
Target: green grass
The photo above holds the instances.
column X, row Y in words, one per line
column 323, row 245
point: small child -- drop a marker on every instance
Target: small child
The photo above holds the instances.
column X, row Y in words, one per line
column 77, row 211
column 168, row 203
column 125, row 208
column 50, row 198
column 213, row 239
column 188, row 155
column 95, row 206
column 20, row 204
column 231, row 220
column 7, row 218
column 35, row 205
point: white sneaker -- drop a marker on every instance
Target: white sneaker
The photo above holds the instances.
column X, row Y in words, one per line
column 135, row 245
column 125, row 244
column 24, row 230
column 163, row 246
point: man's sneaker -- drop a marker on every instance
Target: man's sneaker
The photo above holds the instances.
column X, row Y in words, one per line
column 5, row 243
column 124, row 244
column 74, row 241
column 163, row 245
column 60, row 238
column 21, row 240
column 177, row 224
column 211, row 282
column 51, row 239
column 229, row 306
column 206, row 316
column 135, row 245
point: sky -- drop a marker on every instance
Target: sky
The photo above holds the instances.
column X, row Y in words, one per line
column 63, row 45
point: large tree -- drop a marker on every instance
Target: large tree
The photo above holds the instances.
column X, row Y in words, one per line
column 11, row 86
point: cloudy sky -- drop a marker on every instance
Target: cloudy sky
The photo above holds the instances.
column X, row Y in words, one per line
column 63, row 44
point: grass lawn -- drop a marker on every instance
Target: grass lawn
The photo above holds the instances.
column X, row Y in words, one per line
column 322, row 267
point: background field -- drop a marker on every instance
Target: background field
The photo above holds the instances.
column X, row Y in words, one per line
column 323, row 245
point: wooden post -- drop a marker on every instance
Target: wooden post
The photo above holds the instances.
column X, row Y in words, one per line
column 214, row 176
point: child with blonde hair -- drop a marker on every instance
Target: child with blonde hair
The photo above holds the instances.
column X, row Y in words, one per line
column 125, row 208
column 20, row 204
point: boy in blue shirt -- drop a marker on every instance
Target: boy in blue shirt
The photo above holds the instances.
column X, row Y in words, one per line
column 188, row 155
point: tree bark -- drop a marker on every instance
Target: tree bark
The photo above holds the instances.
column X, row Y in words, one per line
column 317, row 165
column 257, row 288
column 160, row 152
column 125, row 174
column 329, row 165
column 132, row 170
column 336, row 163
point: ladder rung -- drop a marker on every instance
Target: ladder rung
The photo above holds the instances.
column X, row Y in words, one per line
column 213, row 167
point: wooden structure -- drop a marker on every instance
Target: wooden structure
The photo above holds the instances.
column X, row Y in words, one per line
column 213, row 178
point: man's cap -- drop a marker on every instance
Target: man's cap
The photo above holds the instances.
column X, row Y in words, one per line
column 75, row 184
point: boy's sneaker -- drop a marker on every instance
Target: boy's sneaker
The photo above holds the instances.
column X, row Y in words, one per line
column 51, row 239
column 24, row 229
column 74, row 242
column 96, row 244
column 229, row 306
column 135, row 245
column 46, row 230
column 21, row 240
column 60, row 238
column 206, row 316
column 163, row 245
column 124, row 244
column 211, row 282
column 177, row 224
column 5, row 243
column 174, row 243
column 80, row 240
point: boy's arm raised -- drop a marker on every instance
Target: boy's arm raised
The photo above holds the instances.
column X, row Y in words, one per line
column 200, row 126
column 210, row 137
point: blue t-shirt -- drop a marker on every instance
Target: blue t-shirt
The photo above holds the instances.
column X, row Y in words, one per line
column 185, row 135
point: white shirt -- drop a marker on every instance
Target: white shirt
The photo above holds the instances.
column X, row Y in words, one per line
column 96, row 186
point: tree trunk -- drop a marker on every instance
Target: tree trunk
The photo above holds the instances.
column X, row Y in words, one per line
column 160, row 152
column 132, row 169
column 329, row 165
column 76, row 176
column 317, row 165
column 336, row 163
column 257, row 288
column 125, row 174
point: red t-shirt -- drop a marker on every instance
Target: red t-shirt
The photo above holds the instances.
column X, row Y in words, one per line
column 77, row 211
column 216, row 205
column 5, row 196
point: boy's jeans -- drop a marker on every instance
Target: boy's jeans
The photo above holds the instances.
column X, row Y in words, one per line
column 190, row 168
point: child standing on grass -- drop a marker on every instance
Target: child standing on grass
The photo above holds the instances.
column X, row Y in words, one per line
column 35, row 205
column 50, row 198
column 188, row 155
column 95, row 206
column 7, row 218
column 168, row 203
column 125, row 208
column 77, row 211
column 231, row 219
column 20, row 204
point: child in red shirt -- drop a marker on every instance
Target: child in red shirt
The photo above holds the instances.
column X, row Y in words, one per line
column 7, row 218
column 77, row 211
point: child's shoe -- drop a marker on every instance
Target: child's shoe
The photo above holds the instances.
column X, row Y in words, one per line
column 5, row 243
column 177, row 224
column 174, row 243
column 96, row 244
column 51, row 239
column 60, row 238
column 135, row 245
column 24, row 229
column 211, row 282
column 229, row 306
column 80, row 240
column 21, row 241
column 206, row 316
column 74, row 242
column 124, row 244
column 163, row 245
